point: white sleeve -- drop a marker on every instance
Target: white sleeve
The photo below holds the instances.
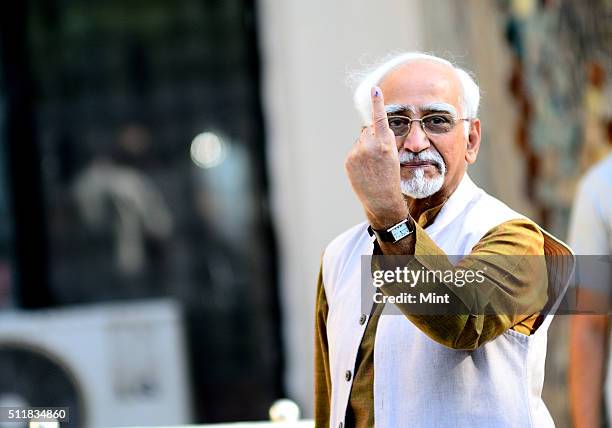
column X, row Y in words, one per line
column 589, row 236
column 588, row 232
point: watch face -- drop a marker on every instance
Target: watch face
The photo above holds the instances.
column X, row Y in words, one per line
column 400, row 231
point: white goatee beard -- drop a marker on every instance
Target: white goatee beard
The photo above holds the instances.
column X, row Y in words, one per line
column 418, row 186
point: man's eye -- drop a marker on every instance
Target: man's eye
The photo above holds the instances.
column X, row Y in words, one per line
column 396, row 122
column 438, row 120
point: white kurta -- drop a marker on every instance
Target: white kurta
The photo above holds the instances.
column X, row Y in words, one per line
column 418, row 382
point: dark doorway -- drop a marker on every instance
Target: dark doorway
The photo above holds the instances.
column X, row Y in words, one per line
column 135, row 165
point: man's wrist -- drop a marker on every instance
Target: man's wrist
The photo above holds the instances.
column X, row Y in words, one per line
column 389, row 218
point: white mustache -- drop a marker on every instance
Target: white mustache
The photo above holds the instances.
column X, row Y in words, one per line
column 429, row 155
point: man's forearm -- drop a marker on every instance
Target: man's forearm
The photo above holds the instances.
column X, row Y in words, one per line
column 588, row 334
column 512, row 288
column 473, row 314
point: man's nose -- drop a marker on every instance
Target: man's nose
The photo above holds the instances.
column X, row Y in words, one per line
column 416, row 140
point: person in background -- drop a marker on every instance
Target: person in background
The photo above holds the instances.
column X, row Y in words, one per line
column 590, row 235
column 116, row 198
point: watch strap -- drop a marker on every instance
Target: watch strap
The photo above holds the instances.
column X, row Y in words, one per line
column 395, row 233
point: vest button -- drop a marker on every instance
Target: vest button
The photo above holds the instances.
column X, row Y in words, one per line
column 348, row 375
column 362, row 319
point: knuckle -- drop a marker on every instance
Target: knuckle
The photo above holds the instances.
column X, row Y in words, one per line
column 385, row 149
column 380, row 119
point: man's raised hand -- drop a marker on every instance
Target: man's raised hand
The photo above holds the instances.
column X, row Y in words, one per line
column 373, row 169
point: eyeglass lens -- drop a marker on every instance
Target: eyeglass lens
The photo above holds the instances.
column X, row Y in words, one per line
column 432, row 124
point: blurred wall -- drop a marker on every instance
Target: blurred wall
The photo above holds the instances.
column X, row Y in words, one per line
column 307, row 49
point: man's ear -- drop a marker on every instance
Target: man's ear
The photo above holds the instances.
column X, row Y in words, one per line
column 473, row 143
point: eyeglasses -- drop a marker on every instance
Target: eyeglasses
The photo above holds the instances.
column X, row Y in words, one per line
column 431, row 124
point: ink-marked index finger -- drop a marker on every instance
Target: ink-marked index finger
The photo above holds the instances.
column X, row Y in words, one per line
column 379, row 115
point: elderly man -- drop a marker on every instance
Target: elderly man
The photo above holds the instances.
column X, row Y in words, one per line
column 480, row 363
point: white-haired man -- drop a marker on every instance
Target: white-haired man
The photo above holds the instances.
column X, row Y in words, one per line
column 464, row 366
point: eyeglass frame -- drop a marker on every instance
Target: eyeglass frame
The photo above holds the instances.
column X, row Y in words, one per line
column 410, row 120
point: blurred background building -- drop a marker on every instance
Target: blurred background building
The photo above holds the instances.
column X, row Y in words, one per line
column 170, row 172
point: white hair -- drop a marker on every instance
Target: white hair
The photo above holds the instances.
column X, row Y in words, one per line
column 470, row 93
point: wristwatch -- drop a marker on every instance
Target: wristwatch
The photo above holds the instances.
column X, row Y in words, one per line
column 394, row 234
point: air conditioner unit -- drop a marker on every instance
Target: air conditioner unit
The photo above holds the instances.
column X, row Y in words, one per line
column 111, row 364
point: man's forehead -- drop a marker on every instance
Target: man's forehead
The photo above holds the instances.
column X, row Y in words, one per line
column 420, row 82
